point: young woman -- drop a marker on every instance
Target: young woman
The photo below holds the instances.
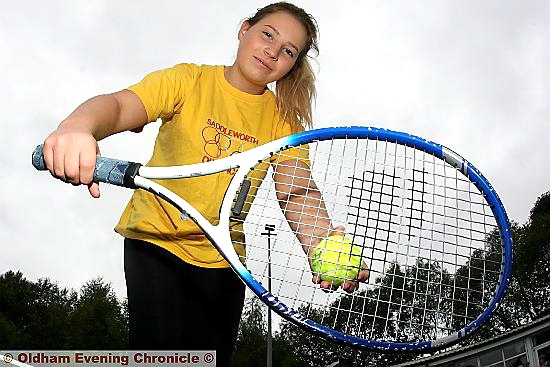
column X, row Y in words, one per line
column 176, row 280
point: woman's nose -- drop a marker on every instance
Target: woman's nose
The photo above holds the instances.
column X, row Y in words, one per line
column 270, row 53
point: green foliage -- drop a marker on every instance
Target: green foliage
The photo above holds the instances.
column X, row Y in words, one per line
column 98, row 319
column 251, row 347
column 40, row 315
column 251, row 341
column 309, row 350
column 528, row 298
column 528, row 294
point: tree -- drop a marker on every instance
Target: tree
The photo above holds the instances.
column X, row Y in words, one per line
column 389, row 311
column 399, row 298
column 42, row 315
column 308, row 350
column 528, row 295
column 98, row 320
column 16, row 300
column 251, row 345
column 50, row 326
column 532, row 262
column 251, row 340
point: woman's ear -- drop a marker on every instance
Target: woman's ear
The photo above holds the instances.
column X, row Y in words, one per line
column 244, row 28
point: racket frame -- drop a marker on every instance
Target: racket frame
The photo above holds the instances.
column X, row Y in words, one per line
column 219, row 234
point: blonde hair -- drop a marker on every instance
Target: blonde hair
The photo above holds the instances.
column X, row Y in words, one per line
column 296, row 90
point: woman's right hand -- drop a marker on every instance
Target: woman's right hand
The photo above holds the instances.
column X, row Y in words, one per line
column 70, row 155
column 70, row 151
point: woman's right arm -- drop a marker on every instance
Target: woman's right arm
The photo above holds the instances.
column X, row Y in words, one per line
column 70, row 151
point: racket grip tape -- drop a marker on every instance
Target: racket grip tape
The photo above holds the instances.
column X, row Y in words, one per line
column 108, row 170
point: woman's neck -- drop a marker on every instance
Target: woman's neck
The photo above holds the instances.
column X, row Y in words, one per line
column 234, row 77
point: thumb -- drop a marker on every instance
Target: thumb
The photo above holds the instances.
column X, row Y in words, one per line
column 93, row 188
column 338, row 231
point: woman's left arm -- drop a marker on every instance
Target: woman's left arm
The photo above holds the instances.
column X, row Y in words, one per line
column 303, row 206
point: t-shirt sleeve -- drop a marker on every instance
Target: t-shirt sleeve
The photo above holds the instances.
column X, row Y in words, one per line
column 163, row 92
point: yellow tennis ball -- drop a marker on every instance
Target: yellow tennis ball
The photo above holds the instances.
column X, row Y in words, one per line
column 335, row 259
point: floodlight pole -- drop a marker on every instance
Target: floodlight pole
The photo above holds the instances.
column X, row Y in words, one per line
column 269, row 232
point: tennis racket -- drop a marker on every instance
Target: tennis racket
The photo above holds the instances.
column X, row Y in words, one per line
column 431, row 229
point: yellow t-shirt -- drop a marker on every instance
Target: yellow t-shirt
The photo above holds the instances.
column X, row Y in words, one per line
column 203, row 118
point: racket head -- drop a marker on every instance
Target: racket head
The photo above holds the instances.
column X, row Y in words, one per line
column 432, row 230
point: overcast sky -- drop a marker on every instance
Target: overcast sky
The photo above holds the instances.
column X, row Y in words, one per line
column 471, row 75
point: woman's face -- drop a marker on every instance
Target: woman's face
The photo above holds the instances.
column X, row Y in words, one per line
column 268, row 50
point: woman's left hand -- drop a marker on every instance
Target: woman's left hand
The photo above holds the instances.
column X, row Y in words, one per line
column 348, row 285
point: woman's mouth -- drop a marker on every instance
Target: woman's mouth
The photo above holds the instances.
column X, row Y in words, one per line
column 262, row 63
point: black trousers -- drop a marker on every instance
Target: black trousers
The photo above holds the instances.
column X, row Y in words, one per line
column 173, row 305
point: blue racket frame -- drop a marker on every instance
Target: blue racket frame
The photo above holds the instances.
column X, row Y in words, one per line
column 461, row 164
column 122, row 173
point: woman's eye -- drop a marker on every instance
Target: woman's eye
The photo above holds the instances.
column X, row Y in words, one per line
column 267, row 34
column 289, row 52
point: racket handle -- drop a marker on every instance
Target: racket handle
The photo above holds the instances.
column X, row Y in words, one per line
column 108, row 170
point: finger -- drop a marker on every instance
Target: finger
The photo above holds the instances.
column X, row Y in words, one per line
column 350, row 286
column 87, row 161
column 315, row 279
column 58, row 165
column 47, row 152
column 71, row 168
column 328, row 286
column 93, row 188
column 364, row 274
column 325, row 286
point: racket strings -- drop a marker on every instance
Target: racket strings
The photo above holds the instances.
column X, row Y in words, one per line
column 425, row 233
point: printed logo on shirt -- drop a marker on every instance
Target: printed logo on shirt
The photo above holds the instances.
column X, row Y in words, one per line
column 220, row 142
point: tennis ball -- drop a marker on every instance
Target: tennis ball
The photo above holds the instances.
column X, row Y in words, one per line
column 335, row 259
